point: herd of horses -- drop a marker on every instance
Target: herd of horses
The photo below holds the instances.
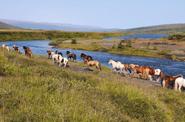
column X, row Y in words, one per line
column 132, row 70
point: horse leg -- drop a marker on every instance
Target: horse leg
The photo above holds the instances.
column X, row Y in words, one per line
column 158, row 79
column 163, row 83
column 150, row 77
column 176, row 86
column 180, row 87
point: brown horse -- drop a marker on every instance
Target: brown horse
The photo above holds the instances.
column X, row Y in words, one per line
column 94, row 63
column 146, row 72
column 27, row 51
column 169, row 81
column 49, row 52
column 86, row 58
column 71, row 56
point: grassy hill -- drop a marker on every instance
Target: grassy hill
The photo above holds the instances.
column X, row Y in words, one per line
column 6, row 26
column 36, row 90
column 168, row 28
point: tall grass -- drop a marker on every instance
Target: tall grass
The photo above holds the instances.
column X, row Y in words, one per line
column 36, row 90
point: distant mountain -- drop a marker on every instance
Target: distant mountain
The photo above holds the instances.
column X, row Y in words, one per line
column 6, row 26
column 168, row 28
column 55, row 26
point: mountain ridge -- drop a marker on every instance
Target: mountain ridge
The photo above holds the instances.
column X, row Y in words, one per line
column 164, row 28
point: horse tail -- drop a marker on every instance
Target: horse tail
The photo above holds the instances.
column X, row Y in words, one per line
column 177, row 76
column 100, row 66
column 74, row 56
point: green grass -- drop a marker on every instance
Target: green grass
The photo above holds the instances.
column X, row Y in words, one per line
column 36, row 90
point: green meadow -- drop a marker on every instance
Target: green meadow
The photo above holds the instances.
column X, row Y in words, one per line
column 37, row 90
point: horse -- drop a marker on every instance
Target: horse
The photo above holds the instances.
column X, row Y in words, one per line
column 166, row 80
column 62, row 61
column 55, row 57
column 71, row 56
column 169, row 81
column 5, row 47
column 27, row 51
column 16, row 49
column 145, row 72
column 179, row 83
column 160, row 75
column 85, row 57
column 117, row 66
column 94, row 63
column 50, row 53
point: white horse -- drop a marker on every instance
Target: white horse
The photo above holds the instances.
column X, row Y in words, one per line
column 117, row 66
column 179, row 83
column 62, row 61
column 55, row 57
column 5, row 47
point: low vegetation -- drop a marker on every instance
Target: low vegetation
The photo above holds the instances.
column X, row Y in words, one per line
column 36, row 90
column 6, row 35
column 179, row 37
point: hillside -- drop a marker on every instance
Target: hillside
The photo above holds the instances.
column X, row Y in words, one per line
column 55, row 26
column 36, row 90
column 168, row 28
column 6, row 26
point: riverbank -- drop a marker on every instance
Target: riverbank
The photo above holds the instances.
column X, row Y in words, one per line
column 157, row 48
column 36, row 90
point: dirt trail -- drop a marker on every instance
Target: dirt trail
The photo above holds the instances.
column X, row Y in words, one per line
column 106, row 73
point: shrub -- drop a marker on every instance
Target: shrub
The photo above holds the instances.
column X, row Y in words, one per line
column 163, row 52
column 129, row 43
column 113, row 46
column 121, row 44
column 154, row 48
column 73, row 41
column 173, row 57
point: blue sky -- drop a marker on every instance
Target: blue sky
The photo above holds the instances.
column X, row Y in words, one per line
column 101, row 13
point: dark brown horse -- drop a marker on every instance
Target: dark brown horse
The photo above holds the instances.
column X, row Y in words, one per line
column 86, row 58
column 27, row 51
column 71, row 56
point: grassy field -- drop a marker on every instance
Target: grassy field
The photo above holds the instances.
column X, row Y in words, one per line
column 21, row 34
column 36, row 90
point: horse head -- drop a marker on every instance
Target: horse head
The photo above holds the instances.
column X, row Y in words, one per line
column 110, row 61
column 68, row 52
column 157, row 72
column 24, row 47
column 82, row 55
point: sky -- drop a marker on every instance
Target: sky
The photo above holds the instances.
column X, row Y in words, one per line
column 99, row 13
